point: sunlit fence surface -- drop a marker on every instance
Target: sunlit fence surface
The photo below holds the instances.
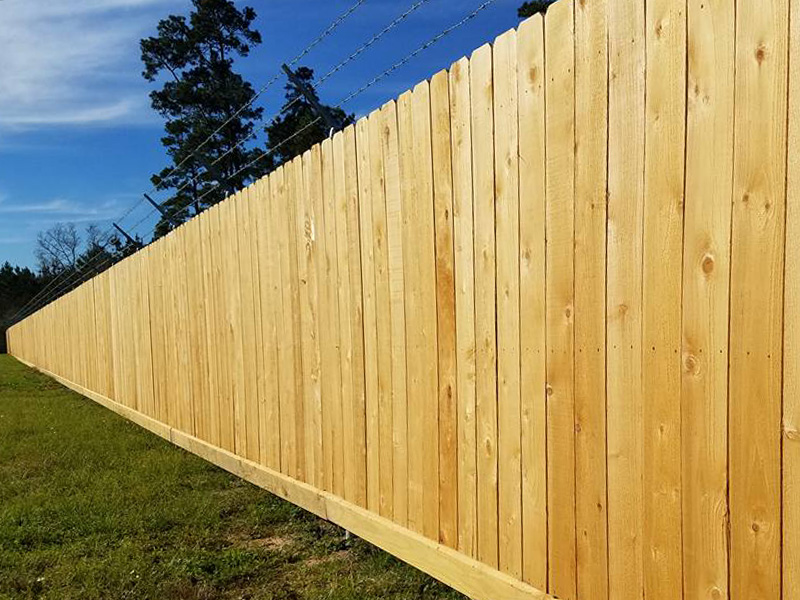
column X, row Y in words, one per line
column 535, row 325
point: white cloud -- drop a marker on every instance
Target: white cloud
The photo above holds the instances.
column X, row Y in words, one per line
column 68, row 62
column 61, row 209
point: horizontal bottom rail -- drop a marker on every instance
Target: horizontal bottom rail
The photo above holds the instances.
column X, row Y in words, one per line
column 456, row 570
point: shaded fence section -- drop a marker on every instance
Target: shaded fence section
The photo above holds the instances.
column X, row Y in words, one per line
column 533, row 326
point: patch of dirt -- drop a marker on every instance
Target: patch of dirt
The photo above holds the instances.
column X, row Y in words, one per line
column 274, row 542
column 333, row 556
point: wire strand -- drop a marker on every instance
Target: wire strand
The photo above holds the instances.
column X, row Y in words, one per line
column 347, row 99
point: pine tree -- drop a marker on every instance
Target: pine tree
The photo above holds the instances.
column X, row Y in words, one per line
column 202, row 92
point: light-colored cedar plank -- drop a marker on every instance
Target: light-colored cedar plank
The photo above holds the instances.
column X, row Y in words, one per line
column 104, row 347
column 591, row 137
column 161, row 331
column 234, row 319
column 756, row 321
column 170, row 333
column 233, row 414
column 531, row 108
column 405, row 134
column 384, row 310
column 210, row 258
column 280, row 197
column 485, row 318
column 445, row 309
column 244, row 230
column 269, row 282
column 359, row 448
column 394, row 242
column 560, row 322
column 424, row 339
column 294, row 187
column 624, row 299
column 141, row 335
column 464, row 268
column 185, row 374
column 196, row 326
column 345, row 324
column 311, row 232
column 665, row 111
column 224, row 406
column 509, row 434
column 302, row 226
column 791, row 325
column 370, row 313
column 209, row 350
column 706, row 273
column 332, row 422
column 259, row 373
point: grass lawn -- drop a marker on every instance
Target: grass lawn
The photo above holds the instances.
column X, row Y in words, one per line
column 92, row 506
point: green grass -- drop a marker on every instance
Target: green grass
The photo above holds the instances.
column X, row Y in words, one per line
column 92, row 506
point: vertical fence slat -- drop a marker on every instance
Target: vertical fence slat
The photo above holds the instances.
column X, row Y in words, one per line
column 706, row 272
column 370, row 317
column 591, row 139
column 509, row 434
column 383, row 307
column 463, row 224
column 662, row 276
column 333, row 444
column 445, row 308
column 791, row 340
column 269, row 281
column 485, row 317
column 246, row 370
column 560, row 215
column 757, row 298
column 394, row 237
column 356, row 317
column 311, row 232
column 421, row 334
column 531, row 84
column 280, row 225
column 624, row 299
column 405, row 134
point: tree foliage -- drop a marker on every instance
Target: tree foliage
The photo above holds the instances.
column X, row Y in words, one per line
column 17, row 286
column 200, row 93
column 528, row 9
column 296, row 114
column 57, row 249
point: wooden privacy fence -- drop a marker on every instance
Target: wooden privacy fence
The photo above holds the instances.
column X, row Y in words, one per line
column 533, row 326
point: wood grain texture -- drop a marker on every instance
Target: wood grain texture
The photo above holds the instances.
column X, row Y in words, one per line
column 591, row 155
column 706, row 274
column 485, row 316
column 445, row 309
column 506, row 190
column 665, row 112
column 624, row 415
column 756, row 319
column 532, row 285
column 560, row 300
column 791, row 325
column 464, row 273
column 532, row 327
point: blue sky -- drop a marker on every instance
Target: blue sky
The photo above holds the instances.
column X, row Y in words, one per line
column 78, row 140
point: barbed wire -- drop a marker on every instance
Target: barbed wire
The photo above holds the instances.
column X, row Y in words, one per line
column 178, row 210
